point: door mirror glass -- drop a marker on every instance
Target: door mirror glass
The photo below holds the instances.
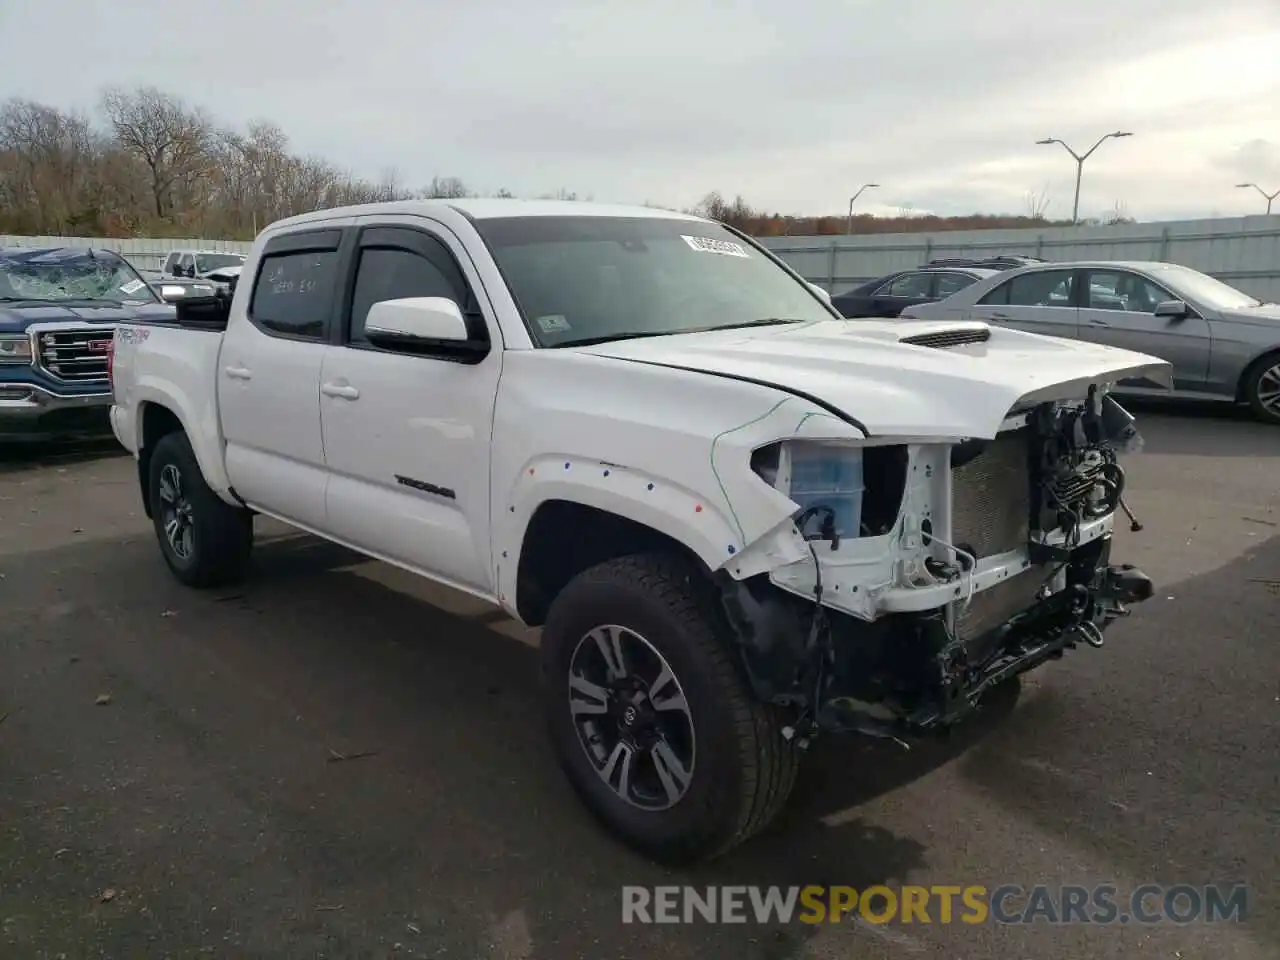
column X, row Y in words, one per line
column 415, row 321
column 171, row 293
column 1171, row 309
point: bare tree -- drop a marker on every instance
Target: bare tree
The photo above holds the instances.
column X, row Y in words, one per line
column 445, row 188
column 1037, row 203
column 1119, row 214
column 172, row 139
column 48, row 163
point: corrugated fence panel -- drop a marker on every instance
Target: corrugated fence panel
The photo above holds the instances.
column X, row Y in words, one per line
column 1242, row 251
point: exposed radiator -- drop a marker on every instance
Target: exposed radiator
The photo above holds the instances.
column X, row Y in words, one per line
column 990, row 608
column 991, row 497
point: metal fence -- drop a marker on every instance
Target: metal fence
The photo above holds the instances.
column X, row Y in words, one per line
column 1243, row 251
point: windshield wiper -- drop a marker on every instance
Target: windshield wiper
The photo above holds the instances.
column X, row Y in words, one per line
column 613, row 337
column 766, row 322
column 63, row 301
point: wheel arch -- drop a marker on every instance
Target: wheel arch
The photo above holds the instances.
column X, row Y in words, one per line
column 566, row 535
column 1269, row 354
column 158, row 414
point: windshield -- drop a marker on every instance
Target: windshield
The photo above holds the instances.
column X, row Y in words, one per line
column 579, row 279
column 56, row 275
column 1201, row 288
column 214, row 261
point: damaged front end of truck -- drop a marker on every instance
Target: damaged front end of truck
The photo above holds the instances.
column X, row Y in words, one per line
column 917, row 575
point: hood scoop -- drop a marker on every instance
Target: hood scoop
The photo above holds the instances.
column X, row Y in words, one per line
column 955, row 337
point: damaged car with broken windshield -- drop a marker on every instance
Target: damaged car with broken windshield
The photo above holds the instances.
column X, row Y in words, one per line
column 59, row 307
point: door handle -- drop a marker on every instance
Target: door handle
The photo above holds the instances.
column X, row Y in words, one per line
column 1000, row 316
column 1098, row 323
column 336, row 390
column 239, row 373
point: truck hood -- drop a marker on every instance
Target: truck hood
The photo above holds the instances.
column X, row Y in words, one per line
column 16, row 317
column 963, row 380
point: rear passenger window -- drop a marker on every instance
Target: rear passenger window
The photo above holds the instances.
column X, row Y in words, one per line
column 1046, row 288
column 908, row 285
column 949, row 283
column 294, row 293
column 393, row 274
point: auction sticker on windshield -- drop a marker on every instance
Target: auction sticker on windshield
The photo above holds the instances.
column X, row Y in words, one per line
column 708, row 245
column 133, row 286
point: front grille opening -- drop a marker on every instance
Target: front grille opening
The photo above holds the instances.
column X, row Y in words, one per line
column 75, row 356
column 948, row 338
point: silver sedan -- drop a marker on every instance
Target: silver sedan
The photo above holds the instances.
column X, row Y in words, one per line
column 1223, row 344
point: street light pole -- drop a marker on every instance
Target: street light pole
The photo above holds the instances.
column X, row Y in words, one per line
column 1269, row 196
column 849, row 225
column 1080, row 159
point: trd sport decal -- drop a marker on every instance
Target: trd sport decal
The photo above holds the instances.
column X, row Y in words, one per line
column 426, row 487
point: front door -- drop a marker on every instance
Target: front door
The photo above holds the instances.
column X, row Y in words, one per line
column 269, row 377
column 1040, row 301
column 1118, row 311
column 900, row 293
column 407, row 436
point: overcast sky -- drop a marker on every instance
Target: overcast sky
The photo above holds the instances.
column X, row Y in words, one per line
column 792, row 103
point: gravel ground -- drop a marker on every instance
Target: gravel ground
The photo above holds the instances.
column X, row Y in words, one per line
column 337, row 760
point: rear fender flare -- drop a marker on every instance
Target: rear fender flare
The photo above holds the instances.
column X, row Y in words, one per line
column 199, row 422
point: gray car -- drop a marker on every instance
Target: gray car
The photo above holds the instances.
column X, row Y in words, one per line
column 1223, row 344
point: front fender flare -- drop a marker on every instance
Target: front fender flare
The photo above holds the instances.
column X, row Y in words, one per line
column 682, row 514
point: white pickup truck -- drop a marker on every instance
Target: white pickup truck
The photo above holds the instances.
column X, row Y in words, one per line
column 739, row 519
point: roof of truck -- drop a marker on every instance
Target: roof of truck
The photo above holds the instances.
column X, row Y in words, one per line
column 488, row 208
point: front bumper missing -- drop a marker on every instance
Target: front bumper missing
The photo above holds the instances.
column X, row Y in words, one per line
column 964, row 670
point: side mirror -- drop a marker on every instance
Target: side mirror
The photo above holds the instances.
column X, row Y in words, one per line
column 826, row 297
column 204, row 312
column 431, row 325
column 1171, row 310
column 171, row 293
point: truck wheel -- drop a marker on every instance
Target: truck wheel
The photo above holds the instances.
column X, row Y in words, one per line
column 653, row 724
column 1262, row 388
column 205, row 541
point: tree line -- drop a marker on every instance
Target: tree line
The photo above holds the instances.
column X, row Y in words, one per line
column 149, row 164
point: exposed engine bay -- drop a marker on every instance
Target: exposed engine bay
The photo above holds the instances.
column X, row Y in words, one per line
column 945, row 570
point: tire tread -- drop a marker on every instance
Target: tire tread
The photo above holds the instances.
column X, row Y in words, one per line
column 770, row 763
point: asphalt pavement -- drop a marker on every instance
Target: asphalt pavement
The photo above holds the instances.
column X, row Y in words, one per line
column 337, row 760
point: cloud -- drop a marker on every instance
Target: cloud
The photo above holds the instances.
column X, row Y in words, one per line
column 792, row 104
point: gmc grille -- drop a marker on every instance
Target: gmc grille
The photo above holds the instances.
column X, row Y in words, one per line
column 991, row 497
column 75, row 356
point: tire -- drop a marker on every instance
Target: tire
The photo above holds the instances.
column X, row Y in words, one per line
column 221, row 536
column 1261, row 388
column 742, row 770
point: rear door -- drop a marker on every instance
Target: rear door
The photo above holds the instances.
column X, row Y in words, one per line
column 1040, row 301
column 269, row 376
column 1118, row 310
